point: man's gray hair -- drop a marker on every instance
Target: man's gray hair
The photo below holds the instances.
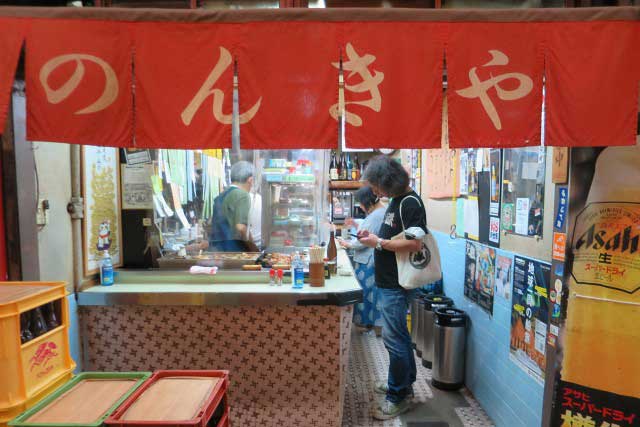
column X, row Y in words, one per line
column 241, row 172
column 388, row 175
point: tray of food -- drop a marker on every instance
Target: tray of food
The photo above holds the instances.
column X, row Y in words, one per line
column 275, row 260
column 223, row 260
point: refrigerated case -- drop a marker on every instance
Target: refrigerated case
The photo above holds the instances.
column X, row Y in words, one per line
column 294, row 209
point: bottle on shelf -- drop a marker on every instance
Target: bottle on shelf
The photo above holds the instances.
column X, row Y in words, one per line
column 333, row 167
column 356, row 169
column 339, row 167
column 349, row 168
column 38, row 325
column 343, row 168
column 25, row 327
column 106, row 270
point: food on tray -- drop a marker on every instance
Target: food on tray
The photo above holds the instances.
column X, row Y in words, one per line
column 252, row 267
column 274, row 259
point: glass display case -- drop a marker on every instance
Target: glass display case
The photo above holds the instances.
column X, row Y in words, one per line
column 294, row 209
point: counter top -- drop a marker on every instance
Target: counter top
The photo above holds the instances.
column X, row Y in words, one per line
column 162, row 287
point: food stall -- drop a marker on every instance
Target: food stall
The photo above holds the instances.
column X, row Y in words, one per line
column 280, row 344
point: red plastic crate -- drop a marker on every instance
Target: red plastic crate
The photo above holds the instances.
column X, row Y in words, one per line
column 215, row 399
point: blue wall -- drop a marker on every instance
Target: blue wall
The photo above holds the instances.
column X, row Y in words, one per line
column 74, row 333
column 508, row 395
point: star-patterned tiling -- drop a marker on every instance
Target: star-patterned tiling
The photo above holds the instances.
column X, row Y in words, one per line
column 287, row 364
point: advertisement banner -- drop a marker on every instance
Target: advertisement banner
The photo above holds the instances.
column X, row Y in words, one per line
column 480, row 275
column 598, row 379
column 529, row 316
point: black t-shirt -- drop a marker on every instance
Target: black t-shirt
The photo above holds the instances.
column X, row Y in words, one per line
column 413, row 215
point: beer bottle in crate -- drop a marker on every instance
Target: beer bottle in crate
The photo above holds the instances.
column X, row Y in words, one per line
column 25, row 327
column 38, row 325
column 50, row 317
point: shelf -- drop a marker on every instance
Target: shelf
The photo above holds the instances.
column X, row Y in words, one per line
column 345, row 185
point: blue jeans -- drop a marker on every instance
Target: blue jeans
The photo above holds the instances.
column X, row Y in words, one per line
column 397, row 339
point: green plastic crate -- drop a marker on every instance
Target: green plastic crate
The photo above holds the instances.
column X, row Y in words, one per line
column 21, row 420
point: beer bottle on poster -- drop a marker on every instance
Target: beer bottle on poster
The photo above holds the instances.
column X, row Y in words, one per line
column 38, row 325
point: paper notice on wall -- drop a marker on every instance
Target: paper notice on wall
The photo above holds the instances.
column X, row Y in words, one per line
column 522, row 216
column 464, row 183
column 494, row 229
column 530, row 170
column 460, row 217
column 471, row 218
column 479, row 159
column 137, row 190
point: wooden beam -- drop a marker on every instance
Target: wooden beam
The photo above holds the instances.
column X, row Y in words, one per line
column 10, row 194
column 294, row 3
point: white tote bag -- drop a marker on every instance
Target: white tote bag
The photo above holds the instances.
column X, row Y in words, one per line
column 417, row 269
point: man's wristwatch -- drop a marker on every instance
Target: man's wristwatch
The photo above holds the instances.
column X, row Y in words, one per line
column 379, row 245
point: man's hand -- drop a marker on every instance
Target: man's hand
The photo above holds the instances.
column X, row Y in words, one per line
column 368, row 239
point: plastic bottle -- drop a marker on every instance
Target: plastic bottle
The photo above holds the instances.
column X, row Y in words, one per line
column 106, row 270
column 272, row 277
column 297, row 272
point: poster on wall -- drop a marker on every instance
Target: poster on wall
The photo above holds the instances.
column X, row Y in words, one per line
column 102, row 230
column 601, row 293
column 529, row 316
column 480, row 271
column 503, row 277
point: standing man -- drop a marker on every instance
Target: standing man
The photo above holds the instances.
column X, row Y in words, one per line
column 230, row 219
column 388, row 178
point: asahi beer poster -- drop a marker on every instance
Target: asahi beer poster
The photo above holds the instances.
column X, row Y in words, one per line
column 529, row 316
column 598, row 380
column 480, row 270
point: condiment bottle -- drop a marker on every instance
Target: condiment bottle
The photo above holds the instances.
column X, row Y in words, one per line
column 280, row 275
column 272, row 277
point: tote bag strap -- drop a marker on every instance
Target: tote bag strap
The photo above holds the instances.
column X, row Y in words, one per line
column 400, row 209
